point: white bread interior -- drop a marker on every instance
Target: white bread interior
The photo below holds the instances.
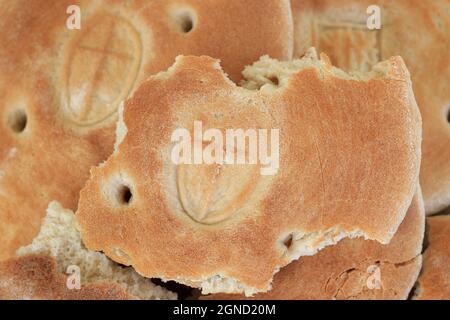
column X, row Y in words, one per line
column 261, row 74
column 60, row 239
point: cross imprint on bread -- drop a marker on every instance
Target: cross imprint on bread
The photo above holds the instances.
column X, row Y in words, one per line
column 100, row 69
column 350, row 46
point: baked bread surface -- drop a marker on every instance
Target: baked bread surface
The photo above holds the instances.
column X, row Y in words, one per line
column 416, row 30
column 434, row 280
column 355, row 268
column 349, row 162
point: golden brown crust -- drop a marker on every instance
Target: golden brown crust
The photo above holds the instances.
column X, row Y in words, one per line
column 434, row 281
column 346, row 147
column 414, row 29
column 342, row 271
column 35, row 277
column 69, row 84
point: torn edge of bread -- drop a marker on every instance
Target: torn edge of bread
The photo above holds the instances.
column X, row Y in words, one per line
column 302, row 244
column 261, row 74
column 59, row 238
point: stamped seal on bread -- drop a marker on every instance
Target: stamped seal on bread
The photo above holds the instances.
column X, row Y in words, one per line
column 102, row 63
column 349, row 154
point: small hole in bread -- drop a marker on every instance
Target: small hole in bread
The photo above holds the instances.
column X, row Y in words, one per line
column 184, row 19
column 124, row 195
column 288, row 241
column 448, row 114
column 187, row 24
column 118, row 191
column 275, row 81
column 18, row 120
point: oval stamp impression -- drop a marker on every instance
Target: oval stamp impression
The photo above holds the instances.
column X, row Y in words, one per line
column 102, row 63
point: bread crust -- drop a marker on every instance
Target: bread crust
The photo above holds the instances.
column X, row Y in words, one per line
column 434, row 280
column 69, row 83
column 342, row 271
column 414, row 29
column 35, row 277
column 346, row 147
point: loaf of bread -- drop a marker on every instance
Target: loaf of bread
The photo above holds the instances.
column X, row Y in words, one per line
column 41, row 269
column 348, row 166
column 416, row 30
column 60, row 88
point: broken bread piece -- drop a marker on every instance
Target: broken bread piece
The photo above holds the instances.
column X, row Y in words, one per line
column 347, row 165
column 41, row 268
column 354, row 268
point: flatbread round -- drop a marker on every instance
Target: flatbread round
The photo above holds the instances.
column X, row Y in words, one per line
column 416, row 30
column 347, row 145
column 60, row 88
